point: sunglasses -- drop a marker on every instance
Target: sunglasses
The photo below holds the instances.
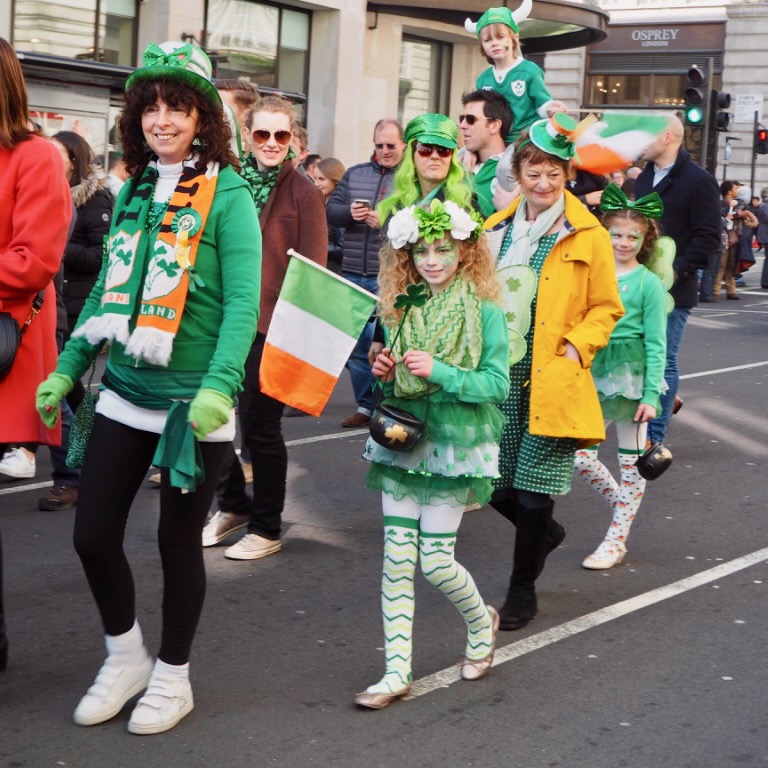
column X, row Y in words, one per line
column 471, row 119
column 261, row 136
column 426, row 150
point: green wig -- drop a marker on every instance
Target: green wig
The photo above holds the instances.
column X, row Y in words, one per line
column 456, row 186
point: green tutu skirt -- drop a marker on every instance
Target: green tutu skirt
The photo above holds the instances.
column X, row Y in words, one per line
column 619, row 374
column 456, row 458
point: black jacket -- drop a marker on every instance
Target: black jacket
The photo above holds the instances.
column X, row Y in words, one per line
column 83, row 254
column 691, row 218
column 366, row 181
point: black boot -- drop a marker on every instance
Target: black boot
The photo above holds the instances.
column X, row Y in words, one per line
column 519, row 608
column 555, row 537
column 504, row 501
column 3, row 638
column 537, row 535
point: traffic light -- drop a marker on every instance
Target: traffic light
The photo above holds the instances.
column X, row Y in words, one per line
column 695, row 96
column 761, row 141
column 719, row 120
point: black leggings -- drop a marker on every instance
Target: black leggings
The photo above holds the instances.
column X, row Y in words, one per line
column 115, row 466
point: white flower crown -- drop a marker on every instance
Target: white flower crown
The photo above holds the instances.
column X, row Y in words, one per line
column 411, row 223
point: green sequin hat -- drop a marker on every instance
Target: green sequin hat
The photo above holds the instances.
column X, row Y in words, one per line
column 181, row 61
column 432, row 128
column 555, row 135
column 504, row 16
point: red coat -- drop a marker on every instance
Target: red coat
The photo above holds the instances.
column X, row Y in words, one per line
column 35, row 211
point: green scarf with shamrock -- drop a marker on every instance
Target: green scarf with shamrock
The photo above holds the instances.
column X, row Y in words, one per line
column 449, row 326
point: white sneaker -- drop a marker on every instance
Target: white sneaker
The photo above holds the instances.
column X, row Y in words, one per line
column 221, row 525
column 115, row 685
column 16, row 464
column 163, row 706
column 608, row 554
column 252, row 547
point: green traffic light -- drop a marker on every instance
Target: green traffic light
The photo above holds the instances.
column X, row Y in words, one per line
column 694, row 115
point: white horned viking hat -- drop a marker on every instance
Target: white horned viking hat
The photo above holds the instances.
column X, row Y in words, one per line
column 511, row 19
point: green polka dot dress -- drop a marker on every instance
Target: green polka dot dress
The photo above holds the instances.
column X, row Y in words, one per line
column 532, row 462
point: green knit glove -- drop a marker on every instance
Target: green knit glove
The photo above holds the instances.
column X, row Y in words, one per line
column 209, row 410
column 49, row 395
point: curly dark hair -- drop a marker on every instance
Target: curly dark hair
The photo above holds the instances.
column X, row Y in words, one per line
column 213, row 129
column 647, row 225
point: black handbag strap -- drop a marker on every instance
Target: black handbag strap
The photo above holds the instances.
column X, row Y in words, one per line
column 36, row 306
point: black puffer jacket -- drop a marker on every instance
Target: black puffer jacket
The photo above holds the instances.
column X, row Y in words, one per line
column 366, row 181
column 82, row 256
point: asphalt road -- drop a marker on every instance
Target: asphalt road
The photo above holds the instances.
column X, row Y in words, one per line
column 658, row 662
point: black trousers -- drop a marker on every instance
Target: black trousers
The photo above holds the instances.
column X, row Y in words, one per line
column 115, row 465
column 261, row 425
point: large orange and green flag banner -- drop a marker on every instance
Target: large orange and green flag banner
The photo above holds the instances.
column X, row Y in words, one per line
column 316, row 323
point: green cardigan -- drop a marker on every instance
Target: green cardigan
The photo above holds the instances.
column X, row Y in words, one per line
column 219, row 321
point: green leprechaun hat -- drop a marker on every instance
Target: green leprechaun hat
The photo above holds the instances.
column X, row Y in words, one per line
column 180, row 61
column 432, row 128
column 555, row 135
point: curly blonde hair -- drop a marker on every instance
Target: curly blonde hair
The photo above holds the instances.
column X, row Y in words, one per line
column 397, row 270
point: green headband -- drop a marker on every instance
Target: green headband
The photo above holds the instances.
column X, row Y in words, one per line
column 614, row 199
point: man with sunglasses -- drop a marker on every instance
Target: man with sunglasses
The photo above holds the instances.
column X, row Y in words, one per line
column 353, row 207
column 486, row 120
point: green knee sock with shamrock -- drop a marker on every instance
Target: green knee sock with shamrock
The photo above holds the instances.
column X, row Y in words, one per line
column 455, row 582
column 401, row 547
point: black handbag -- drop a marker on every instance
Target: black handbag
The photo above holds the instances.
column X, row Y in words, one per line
column 395, row 428
column 655, row 461
column 11, row 333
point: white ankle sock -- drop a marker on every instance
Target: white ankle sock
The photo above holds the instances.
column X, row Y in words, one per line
column 129, row 646
column 171, row 671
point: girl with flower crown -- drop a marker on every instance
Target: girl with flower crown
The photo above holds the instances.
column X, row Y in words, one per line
column 629, row 372
column 447, row 365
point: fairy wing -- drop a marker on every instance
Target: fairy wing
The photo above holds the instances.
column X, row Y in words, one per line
column 660, row 263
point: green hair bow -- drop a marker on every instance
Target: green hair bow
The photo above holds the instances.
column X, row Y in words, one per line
column 614, row 199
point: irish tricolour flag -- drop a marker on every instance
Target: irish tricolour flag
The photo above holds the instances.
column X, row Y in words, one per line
column 317, row 320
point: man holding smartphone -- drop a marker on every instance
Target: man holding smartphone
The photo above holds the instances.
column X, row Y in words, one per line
column 352, row 205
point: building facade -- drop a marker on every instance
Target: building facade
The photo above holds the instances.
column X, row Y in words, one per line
column 643, row 61
column 347, row 63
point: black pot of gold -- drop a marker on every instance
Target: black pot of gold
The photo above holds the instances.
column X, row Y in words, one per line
column 395, row 428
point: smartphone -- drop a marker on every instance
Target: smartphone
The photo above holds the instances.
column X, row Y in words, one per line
column 361, row 201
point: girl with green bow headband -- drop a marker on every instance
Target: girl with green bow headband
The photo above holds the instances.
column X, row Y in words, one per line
column 629, row 372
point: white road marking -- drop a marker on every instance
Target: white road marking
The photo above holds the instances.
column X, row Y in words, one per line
column 723, row 370
column 447, row 677
column 20, row 488
column 289, row 443
column 332, row 436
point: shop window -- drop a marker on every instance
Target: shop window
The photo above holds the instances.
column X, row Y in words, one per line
column 664, row 91
column 265, row 44
column 626, row 90
column 425, row 78
column 102, row 30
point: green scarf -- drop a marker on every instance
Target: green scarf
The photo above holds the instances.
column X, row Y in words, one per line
column 262, row 182
column 449, row 326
